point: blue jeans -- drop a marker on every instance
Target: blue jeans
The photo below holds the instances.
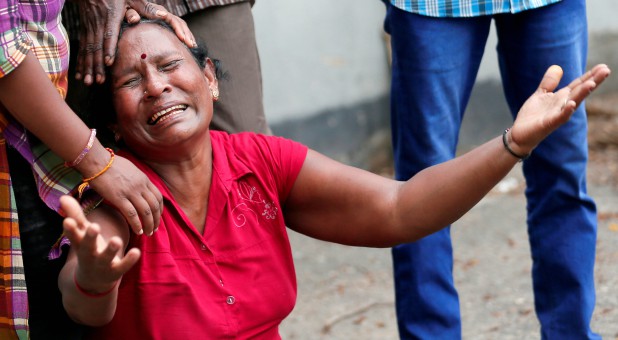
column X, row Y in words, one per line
column 435, row 63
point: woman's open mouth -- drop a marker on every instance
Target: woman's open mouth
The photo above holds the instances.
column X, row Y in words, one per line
column 166, row 114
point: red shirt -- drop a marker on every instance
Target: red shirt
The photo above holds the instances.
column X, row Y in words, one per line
column 235, row 281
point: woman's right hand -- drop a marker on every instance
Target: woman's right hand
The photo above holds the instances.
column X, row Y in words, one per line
column 101, row 261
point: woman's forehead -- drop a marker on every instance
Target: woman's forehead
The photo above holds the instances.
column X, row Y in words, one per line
column 142, row 43
column 148, row 35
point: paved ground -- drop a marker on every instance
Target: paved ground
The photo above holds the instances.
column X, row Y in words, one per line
column 347, row 293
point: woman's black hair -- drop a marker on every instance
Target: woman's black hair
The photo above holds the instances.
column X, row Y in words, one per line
column 100, row 110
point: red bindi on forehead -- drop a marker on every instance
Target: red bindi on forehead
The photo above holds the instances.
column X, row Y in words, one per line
column 143, row 56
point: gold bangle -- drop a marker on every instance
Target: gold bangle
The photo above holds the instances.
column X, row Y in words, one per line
column 86, row 182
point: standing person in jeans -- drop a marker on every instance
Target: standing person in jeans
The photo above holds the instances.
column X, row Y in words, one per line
column 228, row 28
column 437, row 48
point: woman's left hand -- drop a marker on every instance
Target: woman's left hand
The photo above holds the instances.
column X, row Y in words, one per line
column 99, row 28
column 546, row 110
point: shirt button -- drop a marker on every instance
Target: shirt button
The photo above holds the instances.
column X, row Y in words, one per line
column 203, row 246
column 230, row 300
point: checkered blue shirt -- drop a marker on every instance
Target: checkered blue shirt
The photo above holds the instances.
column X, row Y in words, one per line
column 468, row 8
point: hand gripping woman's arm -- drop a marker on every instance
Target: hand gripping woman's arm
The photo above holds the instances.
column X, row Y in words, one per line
column 43, row 112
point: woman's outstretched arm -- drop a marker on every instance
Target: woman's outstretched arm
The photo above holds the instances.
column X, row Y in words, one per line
column 338, row 203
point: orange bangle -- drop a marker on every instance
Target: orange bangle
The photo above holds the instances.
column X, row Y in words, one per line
column 92, row 295
column 86, row 182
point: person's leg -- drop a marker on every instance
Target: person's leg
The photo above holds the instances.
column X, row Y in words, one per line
column 434, row 66
column 561, row 216
column 230, row 36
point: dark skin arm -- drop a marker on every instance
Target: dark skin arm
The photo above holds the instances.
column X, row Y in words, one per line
column 338, row 203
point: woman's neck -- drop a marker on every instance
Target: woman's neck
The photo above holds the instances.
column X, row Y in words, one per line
column 188, row 179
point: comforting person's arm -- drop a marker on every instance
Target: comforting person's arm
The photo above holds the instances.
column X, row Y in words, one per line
column 334, row 202
column 31, row 98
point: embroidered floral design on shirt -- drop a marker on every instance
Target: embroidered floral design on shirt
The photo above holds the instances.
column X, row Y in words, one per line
column 250, row 193
column 240, row 214
column 270, row 211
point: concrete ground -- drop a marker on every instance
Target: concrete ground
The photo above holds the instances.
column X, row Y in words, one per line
column 347, row 293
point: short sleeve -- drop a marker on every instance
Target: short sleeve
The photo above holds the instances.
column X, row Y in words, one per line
column 288, row 159
column 275, row 158
column 14, row 42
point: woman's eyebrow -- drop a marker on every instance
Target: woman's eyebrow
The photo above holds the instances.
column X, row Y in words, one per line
column 149, row 56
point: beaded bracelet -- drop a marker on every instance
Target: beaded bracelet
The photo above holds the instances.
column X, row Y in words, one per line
column 92, row 295
column 86, row 182
column 508, row 147
column 93, row 134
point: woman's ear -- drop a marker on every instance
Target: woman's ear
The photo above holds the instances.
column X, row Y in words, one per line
column 213, row 83
column 211, row 73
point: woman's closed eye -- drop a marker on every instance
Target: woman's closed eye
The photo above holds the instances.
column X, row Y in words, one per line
column 171, row 65
column 131, row 82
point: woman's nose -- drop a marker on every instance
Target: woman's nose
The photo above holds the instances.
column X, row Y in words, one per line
column 155, row 86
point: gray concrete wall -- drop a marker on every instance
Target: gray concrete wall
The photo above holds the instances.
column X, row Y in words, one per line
column 326, row 74
column 319, row 55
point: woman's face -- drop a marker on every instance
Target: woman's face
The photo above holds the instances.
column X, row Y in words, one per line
column 162, row 97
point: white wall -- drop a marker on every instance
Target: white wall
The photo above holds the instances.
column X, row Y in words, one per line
column 320, row 54
column 324, row 54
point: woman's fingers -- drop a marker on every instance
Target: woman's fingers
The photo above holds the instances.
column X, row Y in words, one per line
column 584, row 85
column 107, row 255
column 88, row 246
column 597, row 74
column 546, row 110
column 71, row 208
column 127, row 262
column 551, row 79
column 101, row 268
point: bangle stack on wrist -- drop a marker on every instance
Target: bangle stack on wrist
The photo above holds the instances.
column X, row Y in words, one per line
column 508, row 147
